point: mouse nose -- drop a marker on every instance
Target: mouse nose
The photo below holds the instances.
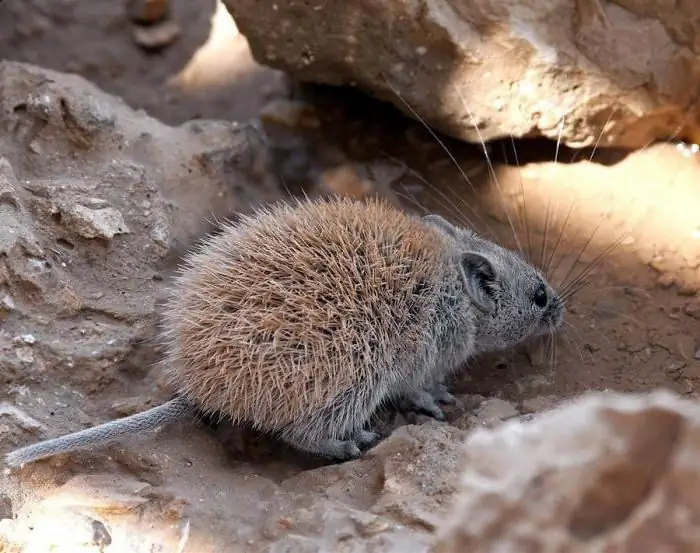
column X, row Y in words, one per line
column 555, row 313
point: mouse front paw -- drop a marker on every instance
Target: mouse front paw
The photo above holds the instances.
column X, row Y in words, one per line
column 422, row 401
column 441, row 395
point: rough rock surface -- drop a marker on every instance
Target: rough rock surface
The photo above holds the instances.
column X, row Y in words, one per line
column 608, row 472
column 390, row 501
column 624, row 70
column 96, row 202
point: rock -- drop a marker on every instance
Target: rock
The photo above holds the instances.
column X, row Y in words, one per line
column 104, row 222
column 538, row 404
column 607, row 472
column 107, row 494
column 489, row 413
column 606, row 73
column 390, row 500
column 158, row 36
column 420, row 469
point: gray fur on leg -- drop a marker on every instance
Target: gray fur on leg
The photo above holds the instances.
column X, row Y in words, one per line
column 422, row 401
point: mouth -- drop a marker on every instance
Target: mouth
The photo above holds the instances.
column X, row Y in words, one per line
column 551, row 320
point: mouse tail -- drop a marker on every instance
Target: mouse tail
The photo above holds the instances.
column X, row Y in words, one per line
column 102, row 434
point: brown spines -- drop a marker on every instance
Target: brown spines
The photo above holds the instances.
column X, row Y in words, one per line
column 281, row 312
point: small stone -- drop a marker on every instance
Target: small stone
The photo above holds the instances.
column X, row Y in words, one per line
column 28, row 339
column 538, row 404
column 130, row 406
column 7, row 303
column 105, row 493
column 156, row 36
column 493, row 411
column 94, row 223
column 472, row 401
column 676, row 366
column 21, row 418
column 101, row 537
column 146, row 11
column 26, row 355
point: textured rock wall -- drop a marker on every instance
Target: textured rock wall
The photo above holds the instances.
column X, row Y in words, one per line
column 615, row 473
column 593, row 71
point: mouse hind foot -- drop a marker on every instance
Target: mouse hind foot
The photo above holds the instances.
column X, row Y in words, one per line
column 340, row 450
column 339, row 431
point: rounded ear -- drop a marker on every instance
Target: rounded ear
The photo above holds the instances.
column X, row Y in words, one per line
column 479, row 277
column 439, row 222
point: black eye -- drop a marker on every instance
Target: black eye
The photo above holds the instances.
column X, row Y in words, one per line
column 539, row 298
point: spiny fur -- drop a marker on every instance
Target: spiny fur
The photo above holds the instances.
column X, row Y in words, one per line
column 287, row 311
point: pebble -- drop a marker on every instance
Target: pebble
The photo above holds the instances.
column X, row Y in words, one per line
column 490, row 413
column 496, row 410
column 95, row 223
column 157, row 36
column 538, row 404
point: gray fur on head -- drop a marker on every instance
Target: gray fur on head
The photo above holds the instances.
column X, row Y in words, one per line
column 514, row 300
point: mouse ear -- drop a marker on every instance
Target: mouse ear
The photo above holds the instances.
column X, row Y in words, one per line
column 439, row 222
column 479, row 277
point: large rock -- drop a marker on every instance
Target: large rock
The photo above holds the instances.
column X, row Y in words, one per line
column 610, row 473
column 584, row 68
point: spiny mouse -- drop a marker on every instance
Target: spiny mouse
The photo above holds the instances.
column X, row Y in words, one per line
column 302, row 319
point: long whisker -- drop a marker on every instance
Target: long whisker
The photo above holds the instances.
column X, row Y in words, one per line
column 617, row 313
column 576, row 335
column 599, row 333
column 460, row 216
column 545, row 233
column 548, row 213
column 548, row 264
column 572, row 342
column 442, row 145
column 559, row 137
column 552, row 354
column 492, row 171
column 600, row 135
column 590, row 267
column 522, row 192
column 583, row 250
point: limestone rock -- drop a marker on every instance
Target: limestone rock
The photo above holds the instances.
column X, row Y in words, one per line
column 625, row 71
column 96, row 202
column 607, row 472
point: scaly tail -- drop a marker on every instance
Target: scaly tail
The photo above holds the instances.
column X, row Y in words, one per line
column 102, row 434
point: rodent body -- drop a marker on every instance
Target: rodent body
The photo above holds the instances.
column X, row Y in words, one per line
column 302, row 320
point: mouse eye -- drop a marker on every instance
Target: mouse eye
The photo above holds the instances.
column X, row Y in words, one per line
column 539, row 298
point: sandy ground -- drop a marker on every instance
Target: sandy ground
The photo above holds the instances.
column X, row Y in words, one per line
column 633, row 328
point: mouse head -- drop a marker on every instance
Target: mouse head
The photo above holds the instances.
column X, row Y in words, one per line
column 512, row 299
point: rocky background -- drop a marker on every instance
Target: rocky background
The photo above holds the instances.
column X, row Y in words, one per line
column 128, row 129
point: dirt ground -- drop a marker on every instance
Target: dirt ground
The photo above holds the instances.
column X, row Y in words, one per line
column 634, row 328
